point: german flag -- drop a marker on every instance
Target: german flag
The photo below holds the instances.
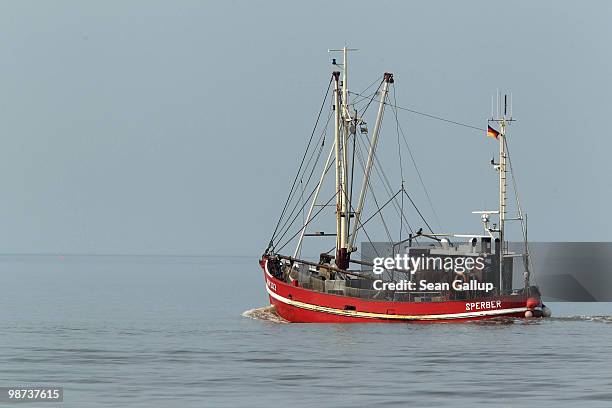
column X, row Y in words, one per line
column 492, row 132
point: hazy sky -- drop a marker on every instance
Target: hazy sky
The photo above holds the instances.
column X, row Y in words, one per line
column 176, row 126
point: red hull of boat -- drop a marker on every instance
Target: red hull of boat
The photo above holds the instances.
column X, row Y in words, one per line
column 300, row 305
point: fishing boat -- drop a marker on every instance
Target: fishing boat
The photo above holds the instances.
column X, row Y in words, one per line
column 415, row 275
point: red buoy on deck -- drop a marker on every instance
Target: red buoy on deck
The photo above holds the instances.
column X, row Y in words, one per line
column 533, row 303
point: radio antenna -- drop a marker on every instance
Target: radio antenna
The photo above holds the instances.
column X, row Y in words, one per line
column 505, row 104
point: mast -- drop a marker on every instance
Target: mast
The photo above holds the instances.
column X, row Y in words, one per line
column 342, row 119
column 388, row 79
column 346, row 119
column 502, row 194
column 502, row 188
column 339, row 165
column 504, row 160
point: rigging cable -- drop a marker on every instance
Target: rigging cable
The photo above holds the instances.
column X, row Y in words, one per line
column 399, row 154
column 416, row 168
column 427, row 114
column 385, row 182
column 314, row 166
column 382, row 218
column 270, row 245
column 528, row 262
column 304, row 205
column 305, row 225
column 379, row 80
column 291, row 218
column 362, row 224
column 387, row 187
column 417, row 210
column 370, row 98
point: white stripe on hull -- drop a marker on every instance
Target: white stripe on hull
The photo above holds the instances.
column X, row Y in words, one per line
column 370, row 315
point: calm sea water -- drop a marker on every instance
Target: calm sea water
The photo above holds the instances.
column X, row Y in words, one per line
column 182, row 332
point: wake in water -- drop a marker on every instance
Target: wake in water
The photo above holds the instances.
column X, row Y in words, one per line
column 495, row 321
column 267, row 313
column 584, row 318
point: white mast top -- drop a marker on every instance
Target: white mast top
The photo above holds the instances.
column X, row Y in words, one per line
column 345, row 97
